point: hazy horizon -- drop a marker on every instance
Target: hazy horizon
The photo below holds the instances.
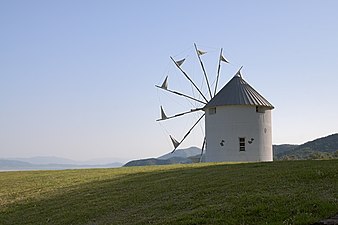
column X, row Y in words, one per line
column 77, row 77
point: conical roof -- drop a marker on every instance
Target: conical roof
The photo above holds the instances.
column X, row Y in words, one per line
column 238, row 92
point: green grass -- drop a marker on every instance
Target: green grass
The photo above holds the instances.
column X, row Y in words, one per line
column 287, row 192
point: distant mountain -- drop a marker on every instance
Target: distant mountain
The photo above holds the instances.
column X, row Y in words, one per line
column 107, row 160
column 280, row 149
column 15, row 165
column 154, row 161
column 10, row 164
column 324, row 144
column 321, row 148
column 182, row 153
column 180, row 156
column 325, row 147
column 42, row 160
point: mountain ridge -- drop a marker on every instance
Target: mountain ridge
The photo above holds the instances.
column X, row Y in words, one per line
column 180, row 156
column 15, row 165
column 321, row 148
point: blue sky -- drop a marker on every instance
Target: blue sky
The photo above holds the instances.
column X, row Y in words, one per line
column 77, row 77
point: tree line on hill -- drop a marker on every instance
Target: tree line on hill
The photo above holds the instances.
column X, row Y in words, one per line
column 321, row 148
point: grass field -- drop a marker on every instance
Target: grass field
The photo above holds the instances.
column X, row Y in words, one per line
column 288, row 192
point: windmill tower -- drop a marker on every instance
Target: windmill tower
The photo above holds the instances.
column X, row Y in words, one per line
column 237, row 118
column 238, row 124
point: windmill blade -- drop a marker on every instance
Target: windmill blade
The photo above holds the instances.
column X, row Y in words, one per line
column 202, row 149
column 187, row 134
column 199, row 53
column 239, row 72
column 180, row 62
column 223, row 59
column 218, row 70
column 174, row 141
column 164, row 117
column 164, row 84
column 181, row 94
column 191, row 81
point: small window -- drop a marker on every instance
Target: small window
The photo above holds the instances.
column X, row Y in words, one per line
column 212, row 111
column 241, row 144
column 260, row 109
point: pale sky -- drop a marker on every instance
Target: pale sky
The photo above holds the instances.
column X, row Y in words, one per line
column 77, row 77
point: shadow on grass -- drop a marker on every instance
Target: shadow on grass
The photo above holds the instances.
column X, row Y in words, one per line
column 299, row 192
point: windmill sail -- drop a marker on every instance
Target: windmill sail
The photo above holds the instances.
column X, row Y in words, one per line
column 165, row 83
column 239, row 72
column 181, row 94
column 174, row 141
column 185, row 136
column 179, row 62
column 223, row 59
column 199, row 52
column 163, row 115
column 186, row 75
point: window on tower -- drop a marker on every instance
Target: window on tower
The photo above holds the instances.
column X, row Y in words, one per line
column 242, row 144
column 260, row 109
column 212, row 111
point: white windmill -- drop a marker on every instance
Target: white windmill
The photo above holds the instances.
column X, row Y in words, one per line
column 237, row 118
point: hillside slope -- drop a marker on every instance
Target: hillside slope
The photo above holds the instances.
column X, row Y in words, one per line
column 182, row 153
column 180, row 156
column 324, row 147
column 285, row 192
column 154, row 161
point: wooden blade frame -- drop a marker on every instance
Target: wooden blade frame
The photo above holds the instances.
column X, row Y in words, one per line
column 179, row 114
column 181, row 94
column 202, row 149
column 187, row 134
column 204, row 72
column 218, row 70
column 191, row 81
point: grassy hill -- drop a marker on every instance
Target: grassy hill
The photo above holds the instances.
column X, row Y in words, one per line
column 284, row 192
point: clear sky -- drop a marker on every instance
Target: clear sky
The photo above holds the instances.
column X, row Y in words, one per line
column 77, row 77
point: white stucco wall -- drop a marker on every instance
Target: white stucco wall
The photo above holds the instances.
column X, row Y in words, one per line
column 232, row 122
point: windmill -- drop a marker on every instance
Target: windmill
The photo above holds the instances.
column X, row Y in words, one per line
column 237, row 118
column 203, row 100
